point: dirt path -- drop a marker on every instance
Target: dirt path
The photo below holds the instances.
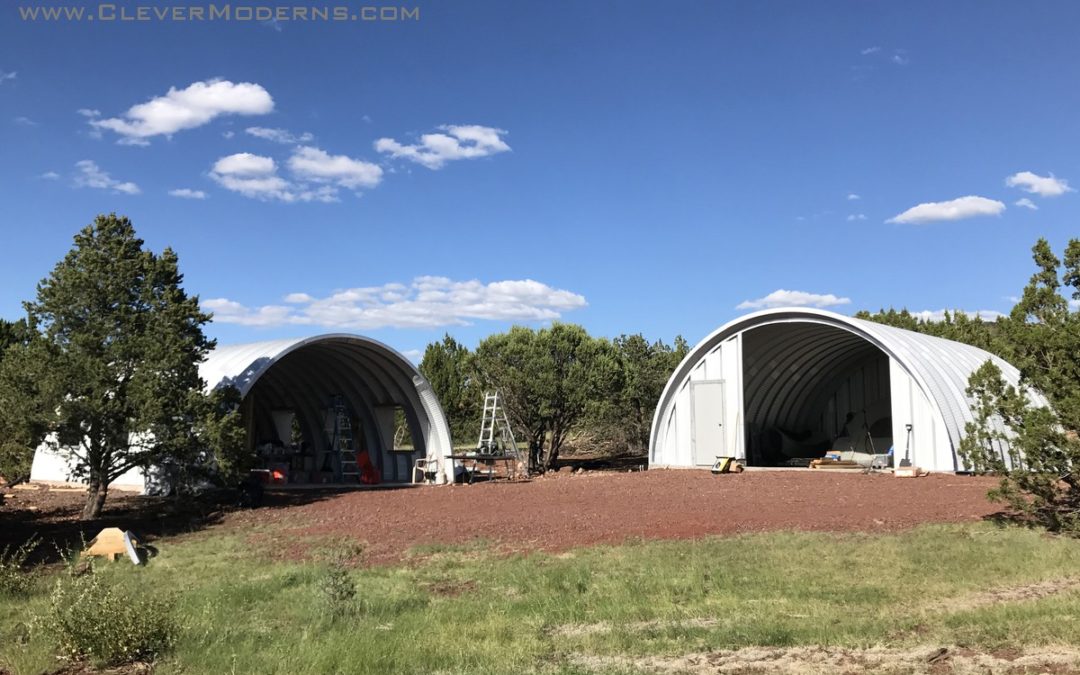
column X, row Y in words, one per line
column 928, row 660
column 563, row 511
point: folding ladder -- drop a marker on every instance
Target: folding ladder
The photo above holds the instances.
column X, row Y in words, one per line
column 342, row 446
column 496, row 436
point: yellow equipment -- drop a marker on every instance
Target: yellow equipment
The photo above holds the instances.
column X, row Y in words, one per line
column 727, row 465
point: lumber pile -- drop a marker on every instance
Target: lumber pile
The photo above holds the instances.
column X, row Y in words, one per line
column 831, row 463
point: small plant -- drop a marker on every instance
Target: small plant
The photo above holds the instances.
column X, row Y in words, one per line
column 338, row 590
column 15, row 579
column 93, row 620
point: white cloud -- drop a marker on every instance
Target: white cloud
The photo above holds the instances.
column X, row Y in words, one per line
column 316, row 165
column 89, row 112
column 25, row 122
column 784, row 298
column 414, row 355
column 188, row 108
column 938, row 315
column 870, row 50
column 50, row 175
column 852, row 197
column 89, row 174
column 318, row 176
column 279, row 135
column 228, row 134
column 188, row 193
column 954, row 209
column 244, row 164
column 900, row 57
column 4, row 76
column 1074, row 305
column 252, row 176
column 1044, row 186
column 427, row 302
column 459, row 142
column 1026, row 203
column 856, row 216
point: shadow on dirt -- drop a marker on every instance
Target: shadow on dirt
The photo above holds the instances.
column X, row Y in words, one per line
column 52, row 515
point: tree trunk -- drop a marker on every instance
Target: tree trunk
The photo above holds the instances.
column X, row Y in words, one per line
column 95, row 499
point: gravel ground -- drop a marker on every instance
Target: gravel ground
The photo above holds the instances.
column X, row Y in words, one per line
column 562, row 511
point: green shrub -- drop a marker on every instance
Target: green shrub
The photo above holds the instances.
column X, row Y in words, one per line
column 93, row 620
column 1040, row 481
column 338, row 591
column 15, row 579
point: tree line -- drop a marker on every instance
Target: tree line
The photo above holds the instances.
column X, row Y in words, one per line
column 553, row 382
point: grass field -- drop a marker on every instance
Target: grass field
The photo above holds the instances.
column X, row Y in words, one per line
column 462, row 609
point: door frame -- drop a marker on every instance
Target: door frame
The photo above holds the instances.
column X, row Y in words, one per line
column 693, row 420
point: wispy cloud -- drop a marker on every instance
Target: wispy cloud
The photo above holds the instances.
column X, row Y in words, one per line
column 938, row 315
column 855, row 216
column 25, row 121
column 853, row 197
column 188, row 108
column 870, row 50
column 785, row 298
column 89, row 174
column 187, row 193
column 282, row 136
column 1026, row 203
column 5, row 76
column 954, row 209
column 458, row 142
column 900, row 57
column 427, row 302
column 1044, row 186
column 50, row 175
column 316, row 175
column 313, row 164
column 89, row 112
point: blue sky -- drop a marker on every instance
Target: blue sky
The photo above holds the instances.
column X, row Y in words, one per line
column 632, row 167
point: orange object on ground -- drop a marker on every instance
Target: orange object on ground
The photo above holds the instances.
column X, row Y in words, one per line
column 369, row 475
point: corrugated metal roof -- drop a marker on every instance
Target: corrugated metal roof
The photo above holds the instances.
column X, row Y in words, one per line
column 941, row 368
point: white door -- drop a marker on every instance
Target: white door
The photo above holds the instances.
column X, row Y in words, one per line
column 707, row 403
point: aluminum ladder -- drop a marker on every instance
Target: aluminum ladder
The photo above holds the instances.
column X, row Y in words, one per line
column 496, row 436
column 343, row 446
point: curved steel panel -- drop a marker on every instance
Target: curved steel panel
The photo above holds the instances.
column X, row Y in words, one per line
column 939, row 367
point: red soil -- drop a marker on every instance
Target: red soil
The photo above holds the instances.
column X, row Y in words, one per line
column 562, row 511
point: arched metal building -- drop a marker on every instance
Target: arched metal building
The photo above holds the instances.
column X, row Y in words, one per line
column 780, row 386
column 301, row 379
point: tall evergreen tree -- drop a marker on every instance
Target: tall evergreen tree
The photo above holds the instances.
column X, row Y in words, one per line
column 448, row 366
column 122, row 342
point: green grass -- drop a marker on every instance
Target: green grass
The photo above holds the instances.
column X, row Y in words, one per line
column 242, row 612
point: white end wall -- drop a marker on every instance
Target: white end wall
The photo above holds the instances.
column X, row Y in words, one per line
column 723, row 363
column 51, row 467
column 931, row 448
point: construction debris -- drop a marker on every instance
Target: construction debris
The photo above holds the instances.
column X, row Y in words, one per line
column 111, row 543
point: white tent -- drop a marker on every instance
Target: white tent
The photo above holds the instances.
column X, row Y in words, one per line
column 779, row 386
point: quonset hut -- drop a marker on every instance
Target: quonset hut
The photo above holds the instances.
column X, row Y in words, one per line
column 783, row 386
column 296, row 392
